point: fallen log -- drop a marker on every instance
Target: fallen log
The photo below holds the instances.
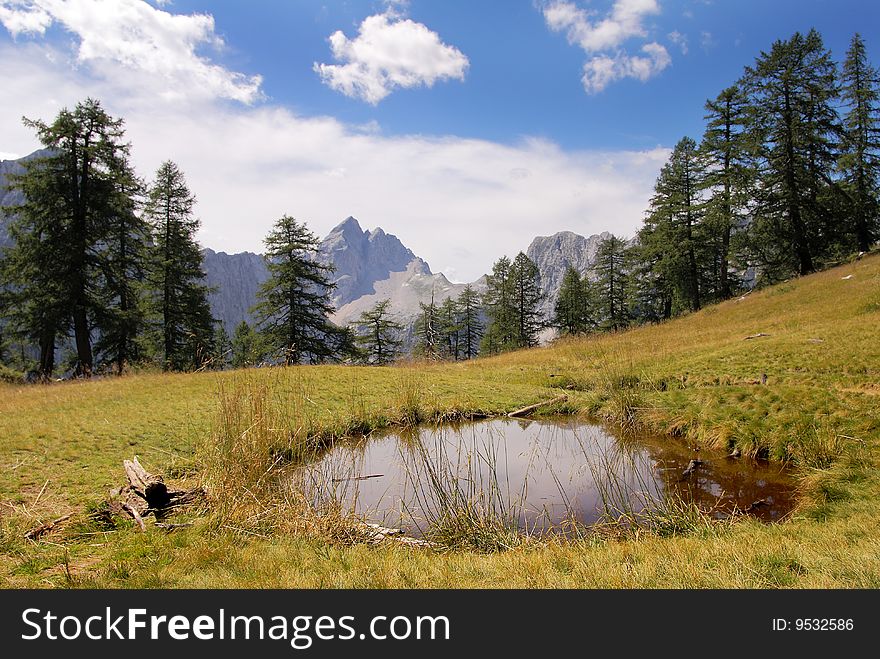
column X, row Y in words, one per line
column 41, row 530
column 531, row 408
column 148, row 493
column 378, row 534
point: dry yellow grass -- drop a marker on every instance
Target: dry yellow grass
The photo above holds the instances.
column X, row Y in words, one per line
column 61, row 448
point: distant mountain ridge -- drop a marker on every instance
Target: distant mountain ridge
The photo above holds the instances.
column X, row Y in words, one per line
column 369, row 266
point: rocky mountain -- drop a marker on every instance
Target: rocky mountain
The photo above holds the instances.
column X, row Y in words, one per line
column 361, row 258
column 405, row 289
column 372, row 266
column 554, row 254
column 369, row 267
column 235, row 280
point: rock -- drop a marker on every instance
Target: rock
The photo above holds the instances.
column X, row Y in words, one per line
column 362, row 258
column 236, row 278
column 553, row 254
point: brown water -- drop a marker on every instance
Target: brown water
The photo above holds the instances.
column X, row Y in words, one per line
column 539, row 473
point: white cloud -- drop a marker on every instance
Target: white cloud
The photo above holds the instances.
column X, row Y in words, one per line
column 603, row 40
column 389, row 52
column 602, row 70
column 132, row 41
column 707, row 41
column 679, row 40
column 456, row 202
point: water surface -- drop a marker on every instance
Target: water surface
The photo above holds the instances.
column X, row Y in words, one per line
column 541, row 473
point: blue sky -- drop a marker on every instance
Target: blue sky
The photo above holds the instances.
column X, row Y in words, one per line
column 455, row 124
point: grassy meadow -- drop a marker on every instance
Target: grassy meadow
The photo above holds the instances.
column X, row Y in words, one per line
column 697, row 379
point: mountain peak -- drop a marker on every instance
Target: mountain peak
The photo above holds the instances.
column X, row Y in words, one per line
column 348, row 225
column 362, row 258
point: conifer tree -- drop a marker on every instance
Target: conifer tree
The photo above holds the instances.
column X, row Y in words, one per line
column 528, row 295
column 673, row 236
column 186, row 326
column 727, row 178
column 55, row 268
column 610, row 289
column 792, row 126
column 222, row 356
column 571, row 315
column 245, row 351
column 512, row 300
column 860, row 160
column 294, row 303
column 427, row 330
column 378, row 335
column 449, row 328
column 471, row 326
column 498, row 301
column 122, row 315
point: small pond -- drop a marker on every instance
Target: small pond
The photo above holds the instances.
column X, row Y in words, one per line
column 540, row 473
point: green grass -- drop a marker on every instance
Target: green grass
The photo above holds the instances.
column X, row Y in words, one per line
column 62, row 446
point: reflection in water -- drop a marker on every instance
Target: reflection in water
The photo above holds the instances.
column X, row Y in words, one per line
column 537, row 472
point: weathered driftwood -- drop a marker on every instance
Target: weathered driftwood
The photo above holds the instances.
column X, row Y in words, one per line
column 136, row 516
column 377, row 534
column 756, row 504
column 148, row 494
column 531, row 408
column 37, row 532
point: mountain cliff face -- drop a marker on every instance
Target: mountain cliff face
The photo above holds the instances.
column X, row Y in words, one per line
column 235, row 278
column 553, row 254
column 361, row 258
column 406, row 289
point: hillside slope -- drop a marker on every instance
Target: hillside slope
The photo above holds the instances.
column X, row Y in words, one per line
column 816, row 340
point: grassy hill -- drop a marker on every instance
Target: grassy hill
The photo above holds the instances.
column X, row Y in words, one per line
column 699, row 377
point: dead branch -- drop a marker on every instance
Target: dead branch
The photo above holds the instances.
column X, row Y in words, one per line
column 531, row 408
column 43, row 529
column 135, row 515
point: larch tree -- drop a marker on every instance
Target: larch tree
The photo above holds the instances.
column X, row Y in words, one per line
column 294, row 304
column 571, row 315
column 727, row 178
column 498, row 301
column 378, row 334
column 470, row 311
column 528, row 295
column 186, row 327
column 859, row 161
column 611, row 286
column 122, row 315
column 790, row 93
column 61, row 231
